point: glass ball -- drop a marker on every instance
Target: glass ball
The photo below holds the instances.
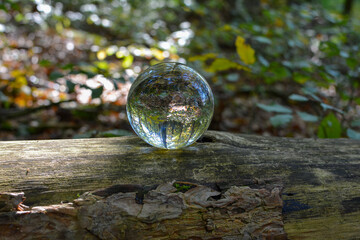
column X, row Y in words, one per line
column 170, row 105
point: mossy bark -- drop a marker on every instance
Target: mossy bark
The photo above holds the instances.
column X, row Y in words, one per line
column 320, row 179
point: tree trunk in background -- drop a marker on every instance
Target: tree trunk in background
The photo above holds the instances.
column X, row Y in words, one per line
column 348, row 6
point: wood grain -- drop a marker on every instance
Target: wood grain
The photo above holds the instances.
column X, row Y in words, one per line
column 321, row 178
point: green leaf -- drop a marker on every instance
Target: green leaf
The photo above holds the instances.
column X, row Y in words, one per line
column 19, row 17
column 326, row 106
column 127, row 62
column 307, row 117
column 274, row 108
column 353, row 134
column 281, row 119
column 95, row 93
column 262, row 39
column 357, row 100
column 297, row 97
column 355, row 123
column 102, row 65
column 68, row 66
column 232, row 77
column 329, row 127
column 299, row 78
column 344, row 54
column 263, row 61
column 223, row 64
column 3, row 7
column 332, row 72
column 352, row 63
column 276, row 72
column 70, row 85
column 311, row 92
column 203, row 58
column 55, row 75
column 330, row 48
column 45, row 63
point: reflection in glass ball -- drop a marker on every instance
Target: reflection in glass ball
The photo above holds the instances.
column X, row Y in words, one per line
column 170, row 105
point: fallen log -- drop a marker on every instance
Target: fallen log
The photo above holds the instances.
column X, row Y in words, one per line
column 164, row 213
column 250, row 187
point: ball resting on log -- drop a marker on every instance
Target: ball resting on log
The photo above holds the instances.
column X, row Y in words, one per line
column 317, row 183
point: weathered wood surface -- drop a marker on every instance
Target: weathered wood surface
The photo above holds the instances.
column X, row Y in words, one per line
column 320, row 179
column 164, row 213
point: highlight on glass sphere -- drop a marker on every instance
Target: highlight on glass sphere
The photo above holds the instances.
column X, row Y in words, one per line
column 170, row 105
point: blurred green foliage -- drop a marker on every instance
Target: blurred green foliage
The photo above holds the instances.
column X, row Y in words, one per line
column 288, row 68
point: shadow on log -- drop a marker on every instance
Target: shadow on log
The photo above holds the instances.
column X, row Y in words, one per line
column 314, row 183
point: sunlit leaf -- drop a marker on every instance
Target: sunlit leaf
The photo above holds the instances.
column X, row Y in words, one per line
column 19, row 82
column 297, row 97
column 157, row 53
column 59, row 27
column 280, row 119
column 19, row 17
column 353, row 134
column 307, row 117
column 245, row 52
column 17, row 73
column 330, row 127
column 127, row 62
column 22, row 100
column 119, row 54
column 102, row 65
column 274, row 108
column 203, row 57
column 222, row 64
column 111, row 50
column 101, row 55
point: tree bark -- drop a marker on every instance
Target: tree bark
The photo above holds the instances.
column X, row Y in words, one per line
column 260, row 187
column 348, row 6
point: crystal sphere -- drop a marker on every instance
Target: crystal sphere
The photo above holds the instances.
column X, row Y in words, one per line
column 170, row 105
